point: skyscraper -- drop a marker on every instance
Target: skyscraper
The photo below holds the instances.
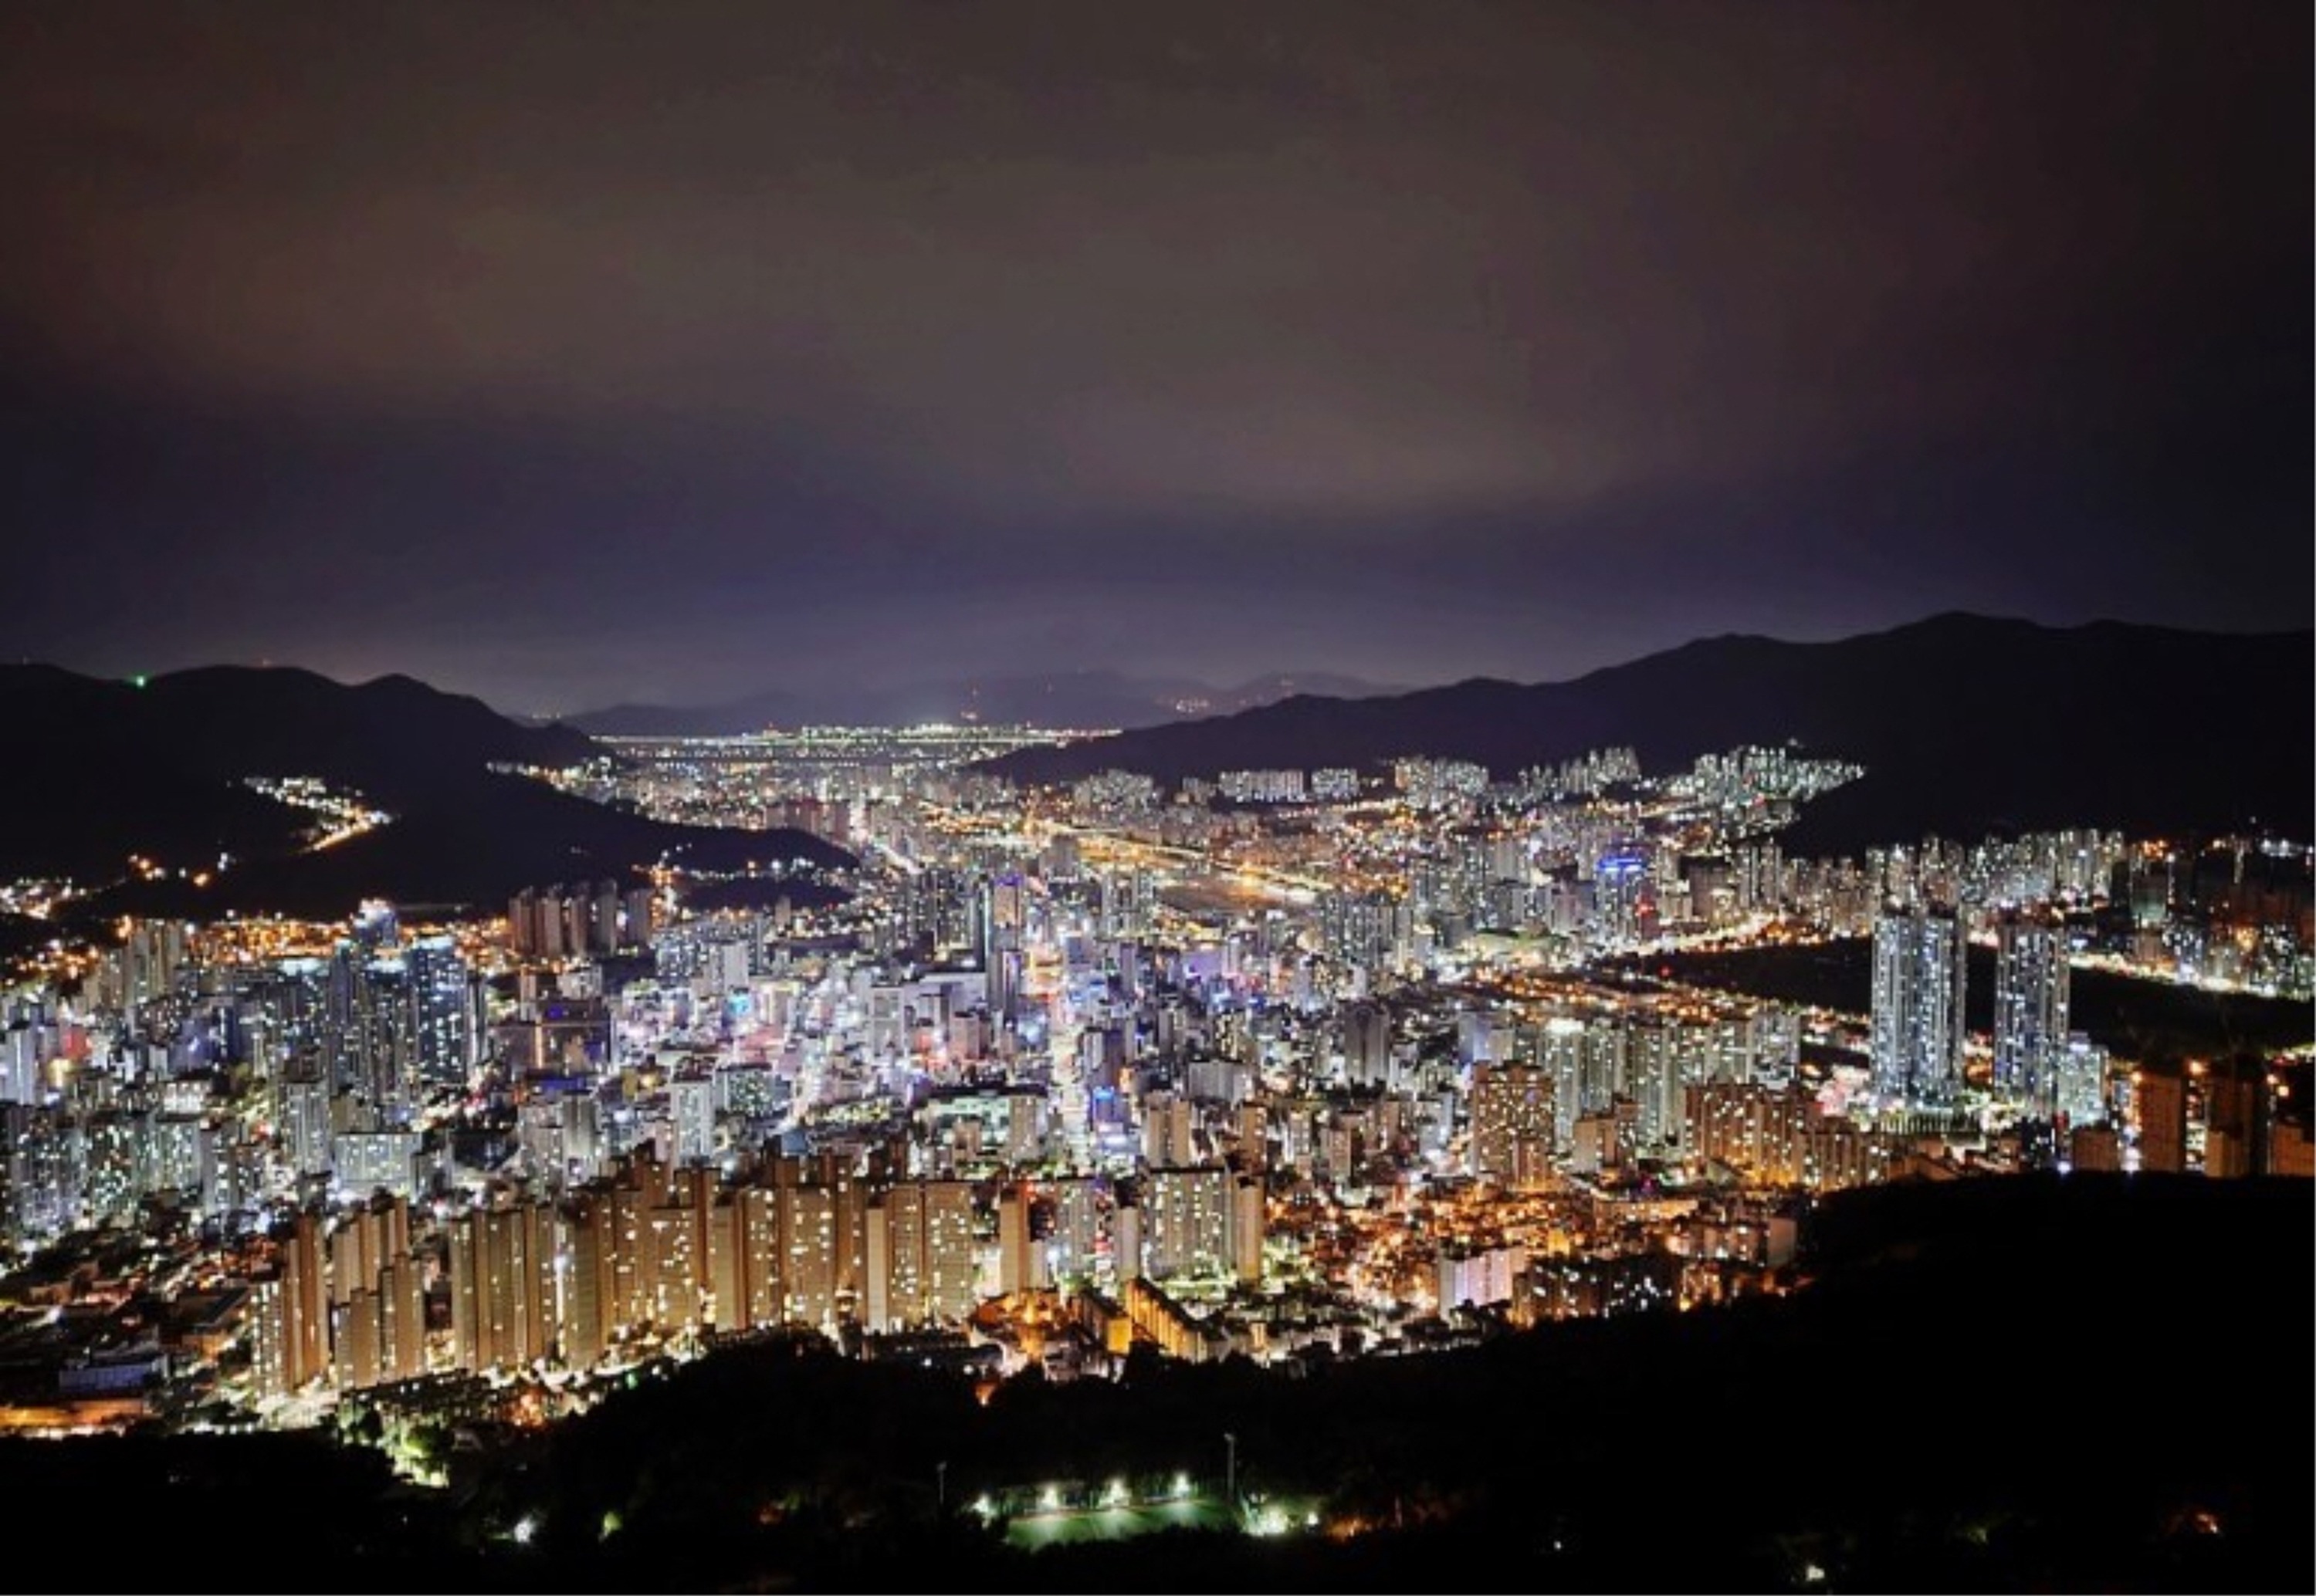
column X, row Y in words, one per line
column 2082, row 1080
column 1020, row 1261
column 1366, row 1044
column 1167, row 1123
column 1621, row 890
column 298, row 1339
column 999, row 935
column 921, row 1261
column 2160, row 1099
column 1918, row 1007
column 1190, row 1222
column 692, row 1110
column 2030, row 1010
column 1512, row 1123
column 441, row 1008
column 1248, row 1222
column 503, row 1296
column 2239, row 1118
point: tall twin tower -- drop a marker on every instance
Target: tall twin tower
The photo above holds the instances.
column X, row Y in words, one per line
column 1920, row 980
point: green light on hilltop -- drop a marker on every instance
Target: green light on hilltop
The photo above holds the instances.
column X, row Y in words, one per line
column 137, row 681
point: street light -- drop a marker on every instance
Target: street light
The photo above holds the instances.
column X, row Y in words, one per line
column 940, row 1486
column 1229, row 1492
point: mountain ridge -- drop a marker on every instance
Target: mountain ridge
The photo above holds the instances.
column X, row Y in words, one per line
column 159, row 768
column 1066, row 698
column 1966, row 724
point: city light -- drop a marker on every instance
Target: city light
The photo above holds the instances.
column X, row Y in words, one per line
column 1261, row 797
column 1267, row 1067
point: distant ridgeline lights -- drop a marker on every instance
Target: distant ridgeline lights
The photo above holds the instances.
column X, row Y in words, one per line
column 1262, row 787
column 1428, row 784
column 1756, row 775
column 36, row 898
column 803, row 778
column 343, row 814
column 1115, row 790
column 1587, row 776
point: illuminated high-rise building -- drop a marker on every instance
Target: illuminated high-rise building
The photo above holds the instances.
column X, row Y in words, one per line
column 1167, row 1122
column 2239, row 1118
column 1366, row 1044
column 1653, row 1075
column 920, row 1263
column 1253, row 1147
column 2082, row 1080
column 2159, row 1092
column 440, row 992
column 302, row 1115
column 503, row 1286
column 672, row 1275
column 1000, row 934
column 1364, row 929
column 366, row 1161
column 1247, row 1225
column 372, row 1237
column 1623, row 904
column 370, row 1031
column 115, row 1145
column 293, row 1309
column 691, row 1109
column 807, row 1243
column 41, row 1177
column 1561, row 1049
column 1919, row 971
column 2030, row 1011
column 1512, row 1123
column 1188, row 1213
column 1022, row 1262
column 20, row 1065
column 1078, row 1212
column 1125, row 1236
column 269, row 1355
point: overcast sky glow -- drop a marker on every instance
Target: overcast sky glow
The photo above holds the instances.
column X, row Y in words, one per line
column 570, row 354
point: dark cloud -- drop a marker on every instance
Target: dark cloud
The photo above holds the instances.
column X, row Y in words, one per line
column 581, row 353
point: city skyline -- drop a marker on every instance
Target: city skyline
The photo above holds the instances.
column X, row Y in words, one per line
column 692, row 352
column 1321, row 795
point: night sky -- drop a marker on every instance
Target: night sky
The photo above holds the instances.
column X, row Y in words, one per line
column 574, row 353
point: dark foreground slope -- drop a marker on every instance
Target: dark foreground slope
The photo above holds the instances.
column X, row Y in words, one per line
column 2029, row 1384
column 1965, row 725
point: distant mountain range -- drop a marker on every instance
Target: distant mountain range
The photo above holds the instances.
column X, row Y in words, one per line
column 157, row 770
column 1965, row 725
column 1073, row 698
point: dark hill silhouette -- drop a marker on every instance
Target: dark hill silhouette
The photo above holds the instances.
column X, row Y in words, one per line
column 498, row 835
column 737, row 718
column 114, row 768
column 1966, row 724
